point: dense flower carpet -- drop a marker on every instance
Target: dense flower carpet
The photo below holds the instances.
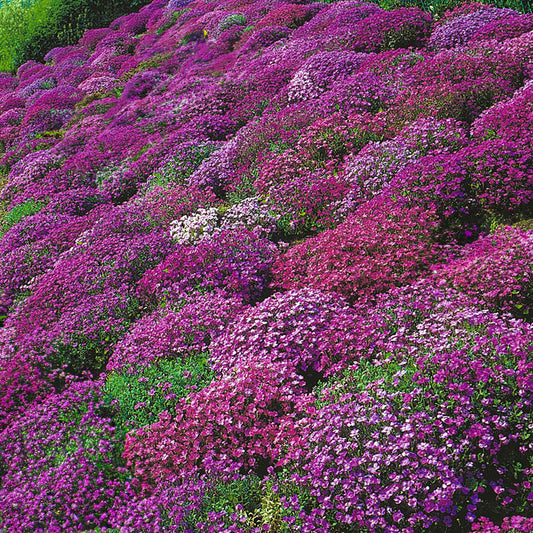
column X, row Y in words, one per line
column 268, row 266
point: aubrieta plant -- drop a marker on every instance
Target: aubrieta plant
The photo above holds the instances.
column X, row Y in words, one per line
column 382, row 452
column 268, row 266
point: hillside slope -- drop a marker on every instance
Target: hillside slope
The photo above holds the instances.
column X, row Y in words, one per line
column 30, row 28
column 266, row 266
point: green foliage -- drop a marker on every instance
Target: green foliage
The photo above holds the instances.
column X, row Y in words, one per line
column 235, row 19
column 252, row 499
column 18, row 213
column 232, row 496
column 179, row 168
column 141, row 396
column 29, row 29
column 90, row 98
column 18, row 22
column 171, row 20
column 88, row 347
column 244, row 188
column 439, row 7
column 149, row 64
column 53, row 134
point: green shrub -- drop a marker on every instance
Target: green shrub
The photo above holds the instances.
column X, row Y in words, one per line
column 31, row 28
column 18, row 21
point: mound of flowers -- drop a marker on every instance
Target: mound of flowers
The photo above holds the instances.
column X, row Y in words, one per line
column 267, row 266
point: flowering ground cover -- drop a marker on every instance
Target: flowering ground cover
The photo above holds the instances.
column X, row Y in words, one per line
column 268, row 266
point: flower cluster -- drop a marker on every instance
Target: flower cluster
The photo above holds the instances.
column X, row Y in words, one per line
column 509, row 119
column 233, row 262
column 306, row 329
column 175, row 334
column 190, row 229
column 290, row 15
column 460, row 29
column 512, row 25
column 497, row 268
column 319, row 72
column 407, row 460
column 299, row 197
column 229, row 425
column 384, row 30
column 380, row 246
column 169, row 363
column 68, row 444
column 371, row 170
column 518, row 524
column 484, row 182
